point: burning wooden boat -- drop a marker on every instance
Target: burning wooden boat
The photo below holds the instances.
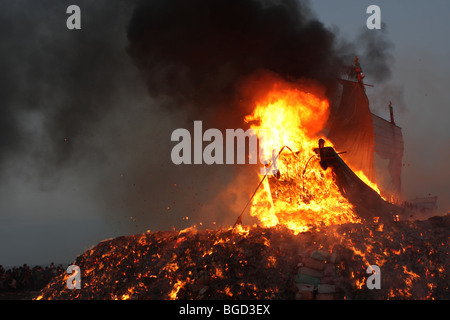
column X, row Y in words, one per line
column 315, row 187
column 310, row 184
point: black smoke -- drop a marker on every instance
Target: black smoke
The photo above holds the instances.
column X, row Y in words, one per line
column 377, row 52
column 197, row 52
column 63, row 82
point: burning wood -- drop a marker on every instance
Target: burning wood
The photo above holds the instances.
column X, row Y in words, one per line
column 267, row 263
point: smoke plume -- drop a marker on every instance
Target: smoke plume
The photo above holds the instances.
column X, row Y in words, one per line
column 197, row 52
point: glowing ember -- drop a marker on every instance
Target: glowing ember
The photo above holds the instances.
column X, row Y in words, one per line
column 255, row 262
column 176, row 288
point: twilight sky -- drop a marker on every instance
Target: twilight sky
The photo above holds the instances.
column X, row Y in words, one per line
column 85, row 150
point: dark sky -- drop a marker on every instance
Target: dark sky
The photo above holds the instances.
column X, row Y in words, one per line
column 85, row 140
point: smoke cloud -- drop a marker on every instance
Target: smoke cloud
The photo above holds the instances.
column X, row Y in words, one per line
column 377, row 52
column 197, row 52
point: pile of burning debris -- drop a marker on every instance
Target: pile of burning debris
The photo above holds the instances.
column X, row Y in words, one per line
column 268, row 263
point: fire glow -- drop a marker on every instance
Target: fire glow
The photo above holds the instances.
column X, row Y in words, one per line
column 305, row 195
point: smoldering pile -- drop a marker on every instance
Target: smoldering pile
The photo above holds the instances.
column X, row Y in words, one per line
column 267, row 263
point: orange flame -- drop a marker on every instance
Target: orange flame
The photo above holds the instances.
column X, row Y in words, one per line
column 367, row 181
column 304, row 195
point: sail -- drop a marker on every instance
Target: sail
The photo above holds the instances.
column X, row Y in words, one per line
column 351, row 129
column 389, row 147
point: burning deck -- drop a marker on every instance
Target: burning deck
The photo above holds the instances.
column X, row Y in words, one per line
column 267, row 263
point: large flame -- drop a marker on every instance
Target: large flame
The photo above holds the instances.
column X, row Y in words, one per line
column 303, row 195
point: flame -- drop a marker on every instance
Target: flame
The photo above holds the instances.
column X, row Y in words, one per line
column 176, row 288
column 367, row 181
column 290, row 118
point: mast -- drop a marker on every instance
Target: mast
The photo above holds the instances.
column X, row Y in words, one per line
column 357, row 70
column 351, row 128
column 359, row 73
column 391, row 112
